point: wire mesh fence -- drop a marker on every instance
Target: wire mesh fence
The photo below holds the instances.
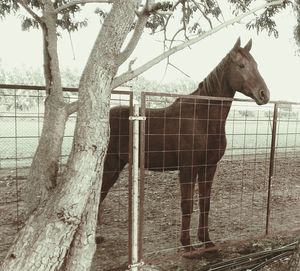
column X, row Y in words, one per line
column 21, row 121
column 253, row 191
column 285, row 184
column 21, row 118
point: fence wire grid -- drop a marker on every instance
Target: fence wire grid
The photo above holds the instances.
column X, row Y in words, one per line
column 21, row 121
column 255, row 190
column 256, row 186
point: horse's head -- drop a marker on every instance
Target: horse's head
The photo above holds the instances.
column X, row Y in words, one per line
column 244, row 76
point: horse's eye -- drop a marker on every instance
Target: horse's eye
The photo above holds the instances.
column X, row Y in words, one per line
column 241, row 66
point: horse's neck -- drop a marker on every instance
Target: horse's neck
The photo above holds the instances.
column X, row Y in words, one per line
column 216, row 85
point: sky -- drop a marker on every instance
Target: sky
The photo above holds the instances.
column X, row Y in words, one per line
column 277, row 59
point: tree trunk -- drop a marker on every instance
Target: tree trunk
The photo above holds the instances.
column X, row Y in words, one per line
column 44, row 168
column 65, row 224
column 80, row 255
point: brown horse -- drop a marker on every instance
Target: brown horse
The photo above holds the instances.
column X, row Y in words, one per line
column 189, row 135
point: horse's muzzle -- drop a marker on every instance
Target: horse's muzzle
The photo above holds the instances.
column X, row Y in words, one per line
column 262, row 96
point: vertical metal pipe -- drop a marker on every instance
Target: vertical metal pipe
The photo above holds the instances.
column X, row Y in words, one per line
column 142, row 174
column 130, row 181
column 16, row 158
column 135, row 191
column 271, row 165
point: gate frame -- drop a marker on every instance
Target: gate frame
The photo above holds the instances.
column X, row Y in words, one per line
column 144, row 94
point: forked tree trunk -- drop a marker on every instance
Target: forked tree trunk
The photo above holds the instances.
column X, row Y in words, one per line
column 65, row 224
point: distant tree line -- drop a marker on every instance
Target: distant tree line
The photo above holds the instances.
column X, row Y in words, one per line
column 27, row 99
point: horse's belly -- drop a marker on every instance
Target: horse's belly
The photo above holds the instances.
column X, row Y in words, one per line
column 161, row 160
column 216, row 148
column 171, row 152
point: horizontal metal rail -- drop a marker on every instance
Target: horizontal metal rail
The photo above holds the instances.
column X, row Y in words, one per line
column 67, row 89
column 164, row 94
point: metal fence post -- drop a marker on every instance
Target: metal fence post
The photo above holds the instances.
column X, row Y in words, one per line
column 135, row 261
column 271, row 165
column 142, row 174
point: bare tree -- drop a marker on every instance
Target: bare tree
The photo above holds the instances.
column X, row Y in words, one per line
column 60, row 231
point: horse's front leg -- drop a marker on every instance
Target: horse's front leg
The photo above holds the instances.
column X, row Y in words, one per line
column 205, row 179
column 187, row 185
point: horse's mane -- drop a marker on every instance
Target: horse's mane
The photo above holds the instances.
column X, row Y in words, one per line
column 212, row 85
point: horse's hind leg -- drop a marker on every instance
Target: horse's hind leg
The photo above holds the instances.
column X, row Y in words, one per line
column 205, row 179
column 113, row 166
column 187, row 185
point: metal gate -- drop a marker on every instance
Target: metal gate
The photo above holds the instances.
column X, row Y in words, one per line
column 260, row 167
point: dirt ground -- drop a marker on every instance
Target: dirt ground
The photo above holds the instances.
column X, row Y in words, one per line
column 237, row 218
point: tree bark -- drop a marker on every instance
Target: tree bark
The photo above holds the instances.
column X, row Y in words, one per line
column 65, row 224
column 107, row 48
column 44, row 168
column 80, row 255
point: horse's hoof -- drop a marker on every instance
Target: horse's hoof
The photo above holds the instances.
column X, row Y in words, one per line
column 211, row 248
column 99, row 239
column 209, row 244
column 199, row 252
column 193, row 254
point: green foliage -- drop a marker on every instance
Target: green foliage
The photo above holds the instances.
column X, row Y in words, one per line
column 194, row 15
column 212, row 7
column 240, row 6
column 265, row 21
column 28, row 23
column 155, row 21
column 297, row 27
column 8, row 7
column 66, row 20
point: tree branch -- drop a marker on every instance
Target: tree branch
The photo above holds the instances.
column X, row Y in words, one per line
column 51, row 60
column 30, row 11
column 143, row 16
column 178, row 69
column 125, row 77
column 80, row 2
column 138, row 31
column 72, row 108
column 203, row 13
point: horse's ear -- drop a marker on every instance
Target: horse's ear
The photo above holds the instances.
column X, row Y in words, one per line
column 237, row 45
column 248, row 45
